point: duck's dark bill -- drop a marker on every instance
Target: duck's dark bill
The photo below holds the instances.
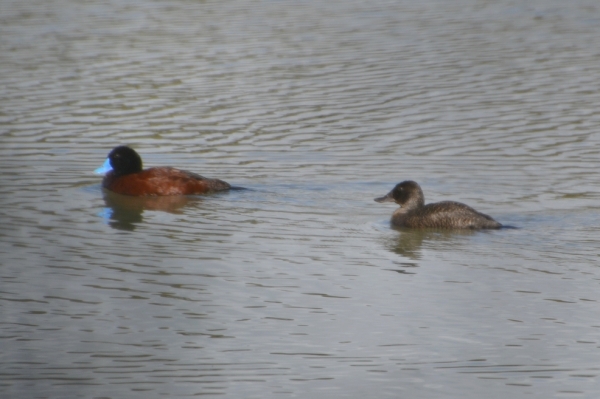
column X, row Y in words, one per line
column 385, row 198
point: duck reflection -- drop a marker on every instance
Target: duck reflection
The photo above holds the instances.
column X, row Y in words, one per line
column 125, row 212
column 410, row 241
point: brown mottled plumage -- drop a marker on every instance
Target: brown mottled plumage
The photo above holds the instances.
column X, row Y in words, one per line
column 444, row 215
column 128, row 178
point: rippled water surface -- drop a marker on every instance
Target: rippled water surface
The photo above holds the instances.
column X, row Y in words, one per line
column 298, row 286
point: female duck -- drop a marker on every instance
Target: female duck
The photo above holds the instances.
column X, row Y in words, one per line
column 447, row 214
column 126, row 176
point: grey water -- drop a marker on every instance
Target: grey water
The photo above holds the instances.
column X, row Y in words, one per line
column 298, row 287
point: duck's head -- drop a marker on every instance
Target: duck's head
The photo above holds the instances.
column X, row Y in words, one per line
column 122, row 160
column 406, row 193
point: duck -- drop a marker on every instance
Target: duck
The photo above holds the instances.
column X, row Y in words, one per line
column 125, row 175
column 413, row 213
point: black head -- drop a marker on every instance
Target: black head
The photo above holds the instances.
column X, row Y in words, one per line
column 404, row 193
column 125, row 160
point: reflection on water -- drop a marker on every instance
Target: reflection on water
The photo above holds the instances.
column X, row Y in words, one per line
column 285, row 290
column 124, row 212
column 408, row 242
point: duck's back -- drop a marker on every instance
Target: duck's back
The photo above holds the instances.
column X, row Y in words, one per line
column 444, row 215
column 162, row 181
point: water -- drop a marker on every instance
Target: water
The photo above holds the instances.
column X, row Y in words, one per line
column 298, row 286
